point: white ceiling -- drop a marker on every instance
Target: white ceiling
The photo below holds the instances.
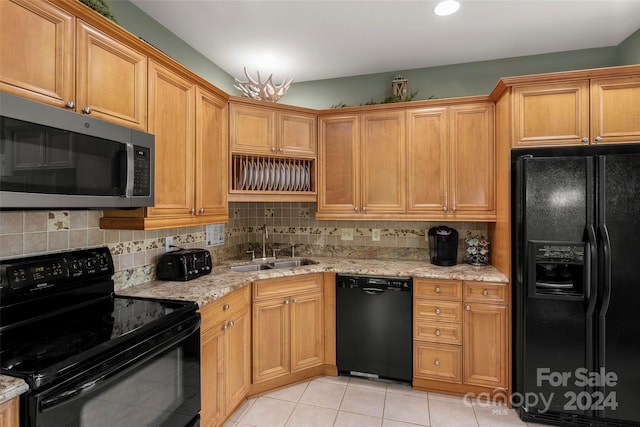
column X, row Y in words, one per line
column 321, row 39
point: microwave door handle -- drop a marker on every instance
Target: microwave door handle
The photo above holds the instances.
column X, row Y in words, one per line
column 130, row 170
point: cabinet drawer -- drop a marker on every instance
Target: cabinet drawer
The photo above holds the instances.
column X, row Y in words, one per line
column 441, row 332
column 286, row 286
column 437, row 289
column 485, row 292
column 225, row 307
column 442, row 311
column 437, row 361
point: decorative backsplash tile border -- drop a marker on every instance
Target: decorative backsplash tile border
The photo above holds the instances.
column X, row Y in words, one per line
column 135, row 253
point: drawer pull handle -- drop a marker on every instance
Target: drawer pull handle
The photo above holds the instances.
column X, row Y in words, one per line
column 437, row 332
column 437, row 362
column 437, row 311
column 438, row 290
column 225, row 307
column 485, row 293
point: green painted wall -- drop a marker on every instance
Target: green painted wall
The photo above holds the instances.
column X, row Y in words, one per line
column 476, row 78
column 629, row 50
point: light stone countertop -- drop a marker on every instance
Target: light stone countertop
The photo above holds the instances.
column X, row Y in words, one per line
column 11, row 387
column 223, row 281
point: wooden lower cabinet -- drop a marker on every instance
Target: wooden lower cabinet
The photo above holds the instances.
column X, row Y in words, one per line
column 461, row 332
column 10, row 413
column 288, row 326
column 225, row 356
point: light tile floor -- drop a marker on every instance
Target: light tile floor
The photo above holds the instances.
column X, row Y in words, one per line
column 357, row 402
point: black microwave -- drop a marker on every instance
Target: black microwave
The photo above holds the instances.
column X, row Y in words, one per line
column 51, row 158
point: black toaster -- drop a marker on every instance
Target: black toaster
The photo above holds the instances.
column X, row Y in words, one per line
column 184, row 264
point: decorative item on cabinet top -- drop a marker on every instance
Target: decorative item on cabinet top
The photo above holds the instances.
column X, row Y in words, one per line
column 272, row 174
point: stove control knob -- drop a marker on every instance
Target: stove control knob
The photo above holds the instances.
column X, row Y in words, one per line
column 102, row 261
column 76, row 266
column 90, row 263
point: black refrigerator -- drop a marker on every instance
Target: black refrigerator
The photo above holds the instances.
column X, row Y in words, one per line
column 576, row 285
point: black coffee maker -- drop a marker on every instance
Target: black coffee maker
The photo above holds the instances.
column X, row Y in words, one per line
column 443, row 245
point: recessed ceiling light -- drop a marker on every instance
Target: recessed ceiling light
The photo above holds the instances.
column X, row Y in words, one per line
column 446, row 7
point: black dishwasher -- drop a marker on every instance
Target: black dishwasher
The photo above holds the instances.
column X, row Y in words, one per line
column 374, row 326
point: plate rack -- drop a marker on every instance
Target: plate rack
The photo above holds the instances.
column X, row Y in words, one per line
column 272, row 174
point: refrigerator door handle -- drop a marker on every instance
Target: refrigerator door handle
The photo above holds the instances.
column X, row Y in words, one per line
column 605, row 268
column 591, row 270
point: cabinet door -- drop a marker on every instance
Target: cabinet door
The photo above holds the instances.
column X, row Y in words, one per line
column 238, row 360
column 271, row 339
column 485, row 345
column 297, row 135
column 615, row 110
column 427, row 160
column 338, row 154
column 382, row 151
column 307, row 331
column 111, row 79
column 472, row 179
column 211, row 156
column 37, row 51
column 171, row 120
column 211, row 376
column 252, row 130
column 551, row 114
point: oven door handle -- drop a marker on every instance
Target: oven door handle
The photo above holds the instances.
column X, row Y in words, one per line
column 153, row 348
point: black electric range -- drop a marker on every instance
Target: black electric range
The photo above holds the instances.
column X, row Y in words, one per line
column 75, row 343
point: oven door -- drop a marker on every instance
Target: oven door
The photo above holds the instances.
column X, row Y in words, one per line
column 153, row 383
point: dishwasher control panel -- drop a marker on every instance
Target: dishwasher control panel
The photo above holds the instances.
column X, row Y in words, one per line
column 374, row 282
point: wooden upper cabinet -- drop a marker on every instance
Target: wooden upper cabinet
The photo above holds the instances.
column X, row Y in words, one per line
column 50, row 56
column 427, row 159
column 338, row 162
column 451, row 162
column 596, row 111
column 615, row 110
column 37, row 51
column 472, row 173
column 382, row 151
column 111, row 79
column 264, row 130
column 252, row 129
column 211, row 154
column 551, row 114
column 172, row 121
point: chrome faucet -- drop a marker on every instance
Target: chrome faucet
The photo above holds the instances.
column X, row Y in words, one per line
column 265, row 236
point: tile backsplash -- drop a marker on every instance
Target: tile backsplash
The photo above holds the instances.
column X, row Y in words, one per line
column 24, row 233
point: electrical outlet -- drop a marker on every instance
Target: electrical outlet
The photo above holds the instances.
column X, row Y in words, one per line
column 375, row 234
column 346, row 234
column 168, row 242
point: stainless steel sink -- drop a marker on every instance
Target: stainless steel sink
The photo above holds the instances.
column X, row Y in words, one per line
column 293, row 263
column 250, row 267
column 245, row 268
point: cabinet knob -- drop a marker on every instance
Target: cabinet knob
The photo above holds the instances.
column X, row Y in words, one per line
column 598, row 138
column 364, row 209
column 485, row 293
column 231, row 323
column 355, row 209
column 438, row 290
column 192, row 211
column 437, row 332
column 437, row 311
column 201, row 210
column 273, row 149
column 436, row 362
column 281, row 149
column 295, row 301
column 468, row 308
column 226, row 307
column 225, row 327
column 444, row 208
column 286, row 302
column 70, row 105
column 86, row 110
column 585, row 139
